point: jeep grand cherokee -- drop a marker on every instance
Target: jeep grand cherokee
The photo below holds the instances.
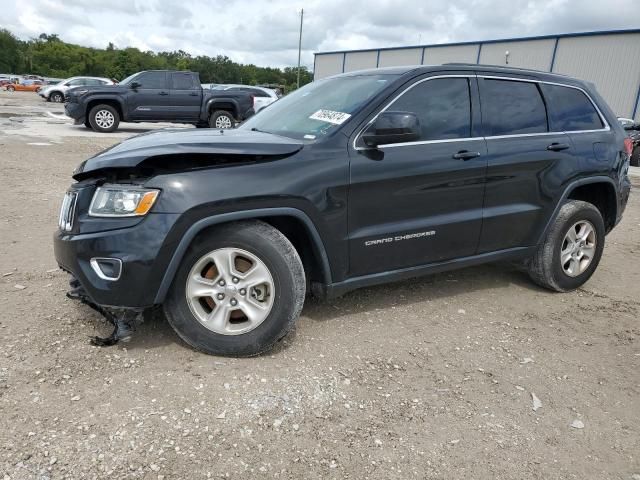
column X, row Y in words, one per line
column 354, row 180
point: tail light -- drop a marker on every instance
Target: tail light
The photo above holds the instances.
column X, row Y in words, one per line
column 628, row 146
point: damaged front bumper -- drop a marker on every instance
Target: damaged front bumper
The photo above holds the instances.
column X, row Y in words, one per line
column 141, row 254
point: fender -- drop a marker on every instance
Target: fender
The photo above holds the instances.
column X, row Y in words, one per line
column 565, row 195
column 215, row 100
column 197, row 227
column 110, row 97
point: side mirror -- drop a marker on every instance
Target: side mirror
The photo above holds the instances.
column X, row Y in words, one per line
column 628, row 123
column 392, row 127
column 134, row 85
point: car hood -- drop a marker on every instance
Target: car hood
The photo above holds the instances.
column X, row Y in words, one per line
column 191, row 148
column 89, row 89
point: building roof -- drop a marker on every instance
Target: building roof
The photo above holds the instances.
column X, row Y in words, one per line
column 501, row 40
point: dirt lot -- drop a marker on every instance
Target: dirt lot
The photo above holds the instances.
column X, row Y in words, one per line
column 431, row 378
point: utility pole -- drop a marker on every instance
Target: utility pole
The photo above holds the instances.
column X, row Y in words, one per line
column 300, row 45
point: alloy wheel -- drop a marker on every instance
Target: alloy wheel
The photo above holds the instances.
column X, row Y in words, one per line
column 230, row 291
column 104, row 119
column 578, row 248
column 223, row 122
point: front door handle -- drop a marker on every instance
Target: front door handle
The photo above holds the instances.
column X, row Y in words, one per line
column 163, row 93
column 194, row 94
column 556, row 147
column 465, row 155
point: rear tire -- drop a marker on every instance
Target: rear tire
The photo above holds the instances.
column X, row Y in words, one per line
column 565, row 261
column 104, row 118
column 264, row 250
column 221, row 119
column 56, row 97
column 635, row 157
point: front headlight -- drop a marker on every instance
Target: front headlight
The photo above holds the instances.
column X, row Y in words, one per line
column 122, row 201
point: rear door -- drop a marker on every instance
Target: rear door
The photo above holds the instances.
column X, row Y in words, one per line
column 420, row 202
column 150, row 100
column 527, row 162
column 186, row 97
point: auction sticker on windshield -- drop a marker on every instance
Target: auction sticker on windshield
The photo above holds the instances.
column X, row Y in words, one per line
column 337, row 118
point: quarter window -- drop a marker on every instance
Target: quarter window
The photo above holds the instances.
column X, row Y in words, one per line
column 570, row 109
column 443, row 107
column 512, row 108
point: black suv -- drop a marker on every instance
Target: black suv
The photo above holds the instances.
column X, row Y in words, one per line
column 157, row 96
column 351, row 181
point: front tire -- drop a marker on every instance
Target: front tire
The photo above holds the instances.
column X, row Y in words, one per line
column 104, row 118
column 571, row 250
column 238, row 290
column 11, row 89
column 221, row 120
column 56, row 97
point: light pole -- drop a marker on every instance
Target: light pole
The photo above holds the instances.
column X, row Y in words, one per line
column 300, row 45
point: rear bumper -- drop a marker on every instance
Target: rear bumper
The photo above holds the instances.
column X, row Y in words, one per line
column 139, row 250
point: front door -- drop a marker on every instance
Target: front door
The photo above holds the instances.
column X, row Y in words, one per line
column 150, row 99
column 420, row 202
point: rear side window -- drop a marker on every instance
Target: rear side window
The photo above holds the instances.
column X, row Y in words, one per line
column 512, row 108
column 443, row 107
column 570, row 109
column 151, row 80
column 182, row 81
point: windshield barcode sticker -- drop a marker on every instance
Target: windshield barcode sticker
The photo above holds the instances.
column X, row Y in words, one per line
column 337, row 118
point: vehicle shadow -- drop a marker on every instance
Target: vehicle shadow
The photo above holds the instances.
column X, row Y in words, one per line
column 431, row 287
column 155, row 331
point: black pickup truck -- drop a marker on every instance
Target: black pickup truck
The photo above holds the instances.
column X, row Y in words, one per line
column 157, row 96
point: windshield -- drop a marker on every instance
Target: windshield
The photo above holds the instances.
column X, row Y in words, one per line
column 318, row 108
column 128, row 79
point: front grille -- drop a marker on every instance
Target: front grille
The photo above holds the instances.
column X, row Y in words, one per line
column 65, row 222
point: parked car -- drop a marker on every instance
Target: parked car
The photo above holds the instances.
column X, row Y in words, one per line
column 25, row 86
column 261, row 96
column 157, row 96
column 633, row 131
column 57, row 92
column 351, row 181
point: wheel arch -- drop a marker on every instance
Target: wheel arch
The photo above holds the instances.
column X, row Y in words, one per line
column 226, row 104
column 114, row 102
column 52, row 92
column 591, row 190
column 283, row 218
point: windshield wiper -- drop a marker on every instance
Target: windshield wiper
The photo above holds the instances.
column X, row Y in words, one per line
column 254, row 129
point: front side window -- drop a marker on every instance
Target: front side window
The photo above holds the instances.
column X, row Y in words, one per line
column 319, row 108
column 512, row 108
column 442, row 105
column 151, row 80
column 570, row 109
column 76, row 83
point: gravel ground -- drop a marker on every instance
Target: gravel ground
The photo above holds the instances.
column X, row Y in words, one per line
column 441, row 377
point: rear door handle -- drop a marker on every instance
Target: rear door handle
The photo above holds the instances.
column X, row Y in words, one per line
column 556, row 147
column 465, row 155
column 163, row 93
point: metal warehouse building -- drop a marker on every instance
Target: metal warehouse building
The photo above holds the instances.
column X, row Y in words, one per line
column 611, row 60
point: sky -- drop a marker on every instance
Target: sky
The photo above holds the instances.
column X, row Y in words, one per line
column 265, row 33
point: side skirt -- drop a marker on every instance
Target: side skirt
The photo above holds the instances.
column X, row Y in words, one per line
column 336, row 289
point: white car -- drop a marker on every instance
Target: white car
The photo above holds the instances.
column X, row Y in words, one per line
column 261, row 96
column 56, row 93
